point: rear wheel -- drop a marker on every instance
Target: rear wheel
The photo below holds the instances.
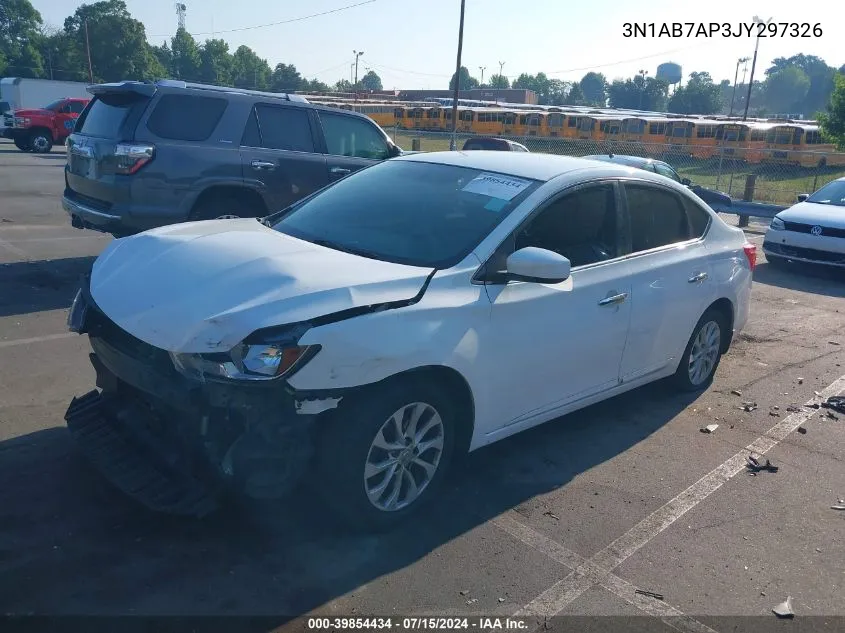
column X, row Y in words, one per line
column 22, row 144
column 40, row 141
column 225, row 206
column 703, row 352
column 385, row 454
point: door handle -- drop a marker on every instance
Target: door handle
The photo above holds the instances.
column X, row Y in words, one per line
column 339, row 171
column 614, row 300
column 696, row 278
column 262, row 164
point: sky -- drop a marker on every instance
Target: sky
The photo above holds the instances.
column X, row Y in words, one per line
column 413, row 44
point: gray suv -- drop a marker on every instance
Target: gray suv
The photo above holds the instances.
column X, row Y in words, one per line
column 145, row 154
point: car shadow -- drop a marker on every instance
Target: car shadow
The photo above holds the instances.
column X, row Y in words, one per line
column 75, row 545
column 821, row 280
column 28, row 287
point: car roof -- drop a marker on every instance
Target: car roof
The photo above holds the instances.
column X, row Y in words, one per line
column 634, row 161
column 541, row 167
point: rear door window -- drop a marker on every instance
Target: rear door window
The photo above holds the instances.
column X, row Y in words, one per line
column 657, row 217
column 278, row 127
column 77, row 106
column 106, row 115
column 186, row 117
column 351, row 136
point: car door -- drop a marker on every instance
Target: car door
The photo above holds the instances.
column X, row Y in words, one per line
column 66, row 117
column 670, row 277
column 351, row 143
column 549, row 345
column 279, row 154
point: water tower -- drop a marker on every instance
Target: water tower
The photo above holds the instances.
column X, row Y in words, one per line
column 670, row 72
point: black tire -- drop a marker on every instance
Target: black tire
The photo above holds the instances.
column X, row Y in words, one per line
column 40, row 141
column 345, row 441
column 22, row 144
column 682, row 378
column 214, row 207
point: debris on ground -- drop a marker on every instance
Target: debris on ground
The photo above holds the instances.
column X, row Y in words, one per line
column 837, row 507
column 551, row 514
column 800, row 381
column 815, row 405
column 802, row 430
column 832, row 343
column 748, row 406
column 832, row 415
column 784, row 609
column 817, row 393
column 736, row 392
column 709, row 428
column 774, row 414
column 793, row 409
column 501, row 599
column 651, row 594
column 472, row 601
column 755, row 466
column 837, row 403
column 776, row 408
column 464, row 592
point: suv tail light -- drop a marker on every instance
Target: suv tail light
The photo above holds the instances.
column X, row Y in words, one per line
column 751, row 254
column 130, row 157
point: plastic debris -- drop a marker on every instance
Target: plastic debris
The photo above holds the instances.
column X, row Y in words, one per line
column 472, row 601
column 832, row 415
column 784, row 609
column 748, row 406
column 755, row 466
column 837, row 403
column 800, row 381
column 736, row 392
column 774, row 414
column 463, row 592
column 837, row 507
column 501, row 599
column 802, row 430
column 651, row 594
column 832, row 343
column 793, row 409
column 551, row 514
column 709, row 428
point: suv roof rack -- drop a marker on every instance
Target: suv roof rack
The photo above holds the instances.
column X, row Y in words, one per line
column 227, row 89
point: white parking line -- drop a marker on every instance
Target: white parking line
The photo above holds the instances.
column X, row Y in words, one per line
column 37, row 339
column 597, row 570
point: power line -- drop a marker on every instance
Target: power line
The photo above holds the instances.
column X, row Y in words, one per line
column 261, row 26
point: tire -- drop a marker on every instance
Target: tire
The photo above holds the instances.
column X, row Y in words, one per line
column 40, row 141
column 346, row 446
column 22, row 144
column 220, row 207
column 685, row 378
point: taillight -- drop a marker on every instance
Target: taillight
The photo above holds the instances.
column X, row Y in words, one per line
column 751, row 254
column 130, row 157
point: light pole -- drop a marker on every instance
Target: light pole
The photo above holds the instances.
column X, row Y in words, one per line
column 453, row 144
column 501, row 66
column 355, row 85
column 757, row 20
column 482, row 69
column 642, row 73
column 741, row 60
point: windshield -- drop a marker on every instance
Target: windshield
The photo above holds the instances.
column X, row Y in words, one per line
column 415, row 213
column 832, row 193
column 55, row 105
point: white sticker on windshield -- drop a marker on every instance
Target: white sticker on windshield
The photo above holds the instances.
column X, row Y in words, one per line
column 497, row 186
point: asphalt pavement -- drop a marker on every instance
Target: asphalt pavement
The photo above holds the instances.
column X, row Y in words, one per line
column 575, row 518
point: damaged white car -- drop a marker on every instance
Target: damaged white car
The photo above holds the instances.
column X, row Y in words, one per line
column 415, row 310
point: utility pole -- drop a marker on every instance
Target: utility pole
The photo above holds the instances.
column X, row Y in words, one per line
column 757, row 20
column 355, row 85
column 736, row 74
column 501, row 66
column 88, row 49
column 482, row 69
column 642, row 73
column 50, row 61
column 453, row 145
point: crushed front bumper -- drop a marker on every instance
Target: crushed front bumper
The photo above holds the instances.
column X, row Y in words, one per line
column 178, row 445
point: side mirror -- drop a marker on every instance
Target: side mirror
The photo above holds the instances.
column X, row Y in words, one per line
column 538, row 265
column 686, row 181
column 803, row 196
column 394, row 151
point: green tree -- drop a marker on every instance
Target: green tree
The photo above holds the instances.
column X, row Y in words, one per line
column 371, row 81
column 20, row 34
column 164, row 55
column 315, row 85
column 786, row 89
column 285, row 78
column 575, row 96
column 594, row 88
column 832, row 121
column 500, row 82
column 185, row 56
column 119, row 48
column 216, row 63
column 249, row 70
column 819, row 73
column 468, row 82
column 699, row 96
column 557, row 91
column 344, row 85
column 638, row 94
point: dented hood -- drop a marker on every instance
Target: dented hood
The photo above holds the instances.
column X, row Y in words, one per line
column 205, row 286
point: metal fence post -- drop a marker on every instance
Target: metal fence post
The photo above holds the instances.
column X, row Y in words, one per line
column 721, row 157
column 748, row 196
column 815, row 181
column 415, row 144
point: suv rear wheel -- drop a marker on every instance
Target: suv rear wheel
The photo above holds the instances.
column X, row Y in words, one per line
column 224, row 206
column 40, row 141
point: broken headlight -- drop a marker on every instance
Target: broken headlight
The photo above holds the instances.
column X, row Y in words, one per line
column 246, row 362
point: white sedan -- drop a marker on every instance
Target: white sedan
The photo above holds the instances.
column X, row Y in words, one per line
column 812, row 231
column 423, row 307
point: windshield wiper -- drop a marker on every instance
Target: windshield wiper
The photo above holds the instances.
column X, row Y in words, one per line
column 346, row 249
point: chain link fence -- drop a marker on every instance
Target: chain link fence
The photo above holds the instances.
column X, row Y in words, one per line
column 754, row 174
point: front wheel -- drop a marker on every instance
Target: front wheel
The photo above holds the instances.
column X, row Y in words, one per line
column 703, row 353
column 40, row 142
column 383, row 455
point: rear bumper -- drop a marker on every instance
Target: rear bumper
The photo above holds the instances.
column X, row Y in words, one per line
column 85, row 217
column 804, row 255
